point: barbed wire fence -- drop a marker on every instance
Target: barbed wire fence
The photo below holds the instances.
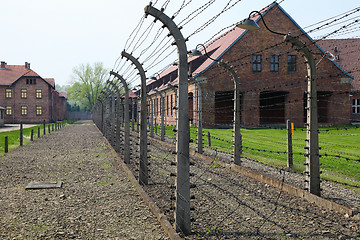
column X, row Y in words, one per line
column 223, row 204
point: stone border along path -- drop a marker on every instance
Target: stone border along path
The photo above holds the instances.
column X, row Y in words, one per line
column 96, row 201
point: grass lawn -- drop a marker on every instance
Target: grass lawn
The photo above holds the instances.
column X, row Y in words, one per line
column 14, row 136
column 344, row 145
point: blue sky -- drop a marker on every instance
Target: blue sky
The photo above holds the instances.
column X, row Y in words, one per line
column 55, row 36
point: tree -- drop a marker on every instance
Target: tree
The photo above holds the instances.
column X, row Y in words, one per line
column 87, row 83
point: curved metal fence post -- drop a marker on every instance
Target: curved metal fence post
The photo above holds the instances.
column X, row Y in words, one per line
column 162, row 116
column 237, row 114
column 143, row 168
column 182, row 211
column 126, row 116
column 312, row 142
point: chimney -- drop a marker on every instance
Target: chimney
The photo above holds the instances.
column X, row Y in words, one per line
column 3, row 65
column 27, row 66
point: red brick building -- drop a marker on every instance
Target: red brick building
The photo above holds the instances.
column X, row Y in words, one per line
column 347, row 56
column 272, row 77
column 29, row 98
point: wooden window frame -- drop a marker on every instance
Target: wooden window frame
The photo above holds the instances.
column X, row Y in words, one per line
column 8, row 110
column 256, row 60
column 24, row 110
column 38, row 93
column 8, row 93
column 355, row 108
column 23, row 93
column 274, row 63
column 291, row 63
column 38, row 110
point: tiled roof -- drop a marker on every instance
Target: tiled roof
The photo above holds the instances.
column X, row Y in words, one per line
column 132, row 94
column 347, row 56
column 63, row 94
column 219, row 46
column 51, row 81
column 215, row 50
column 11, row 73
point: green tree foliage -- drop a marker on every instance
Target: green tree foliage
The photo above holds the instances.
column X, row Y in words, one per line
column 87, row 82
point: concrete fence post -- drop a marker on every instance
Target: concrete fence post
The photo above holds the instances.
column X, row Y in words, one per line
column 143, row 166
column 312, row 172
column 152, row 118
column 126, row 116
column 133, row 114
column 237, row 114
column 182, row 205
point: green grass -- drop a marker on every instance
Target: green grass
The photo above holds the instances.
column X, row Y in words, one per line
column 14, row 136
column 344, row 143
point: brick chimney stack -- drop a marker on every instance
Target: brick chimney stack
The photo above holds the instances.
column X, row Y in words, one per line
column 3, row 65
column 27, row 65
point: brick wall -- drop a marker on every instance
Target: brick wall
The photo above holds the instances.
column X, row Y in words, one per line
column 289, row 87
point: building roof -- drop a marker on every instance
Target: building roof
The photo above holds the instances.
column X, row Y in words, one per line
column 347, row 56
column 215, row 49
column 51, row 81
column 131, row 94
column 9, row 74
column 219, row 46
column 63, row 94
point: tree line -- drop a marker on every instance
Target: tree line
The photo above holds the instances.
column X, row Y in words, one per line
column 86, row 84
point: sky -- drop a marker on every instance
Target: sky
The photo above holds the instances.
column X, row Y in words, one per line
column 56, row 36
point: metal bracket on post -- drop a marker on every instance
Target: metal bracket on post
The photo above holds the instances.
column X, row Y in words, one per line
column 182, row 208
column 143, row 168
column 237, row 114
column 312, row 141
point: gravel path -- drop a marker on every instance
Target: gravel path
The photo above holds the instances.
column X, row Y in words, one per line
column 227, row 205
column 96, row 201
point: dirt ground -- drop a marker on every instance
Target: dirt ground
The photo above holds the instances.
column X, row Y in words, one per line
column 96, row 201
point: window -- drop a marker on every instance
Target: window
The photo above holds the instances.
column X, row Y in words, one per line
column 23, row 110
column 24, row 93
column 38, row 93
column 274, row 63
column 291, row 63
column 356, row 106
column 8, row 110
column 38, row 110
column 2, row 114
column 30, row 81
column 256, row 63
column 8, row 93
